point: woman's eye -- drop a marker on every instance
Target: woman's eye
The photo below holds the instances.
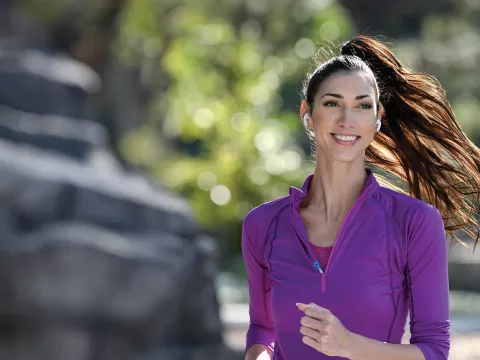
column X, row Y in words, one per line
column 330, row 103
column 366, row 106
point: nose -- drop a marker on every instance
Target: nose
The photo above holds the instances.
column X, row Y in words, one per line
column 347, row 119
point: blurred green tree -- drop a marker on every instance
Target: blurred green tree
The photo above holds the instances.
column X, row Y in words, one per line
column 227, row 109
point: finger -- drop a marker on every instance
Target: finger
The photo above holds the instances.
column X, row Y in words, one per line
column 310, row 333
column 304, row 307
column 319, row 313
column 312, row 342
column 314, row 324
column 315, row 311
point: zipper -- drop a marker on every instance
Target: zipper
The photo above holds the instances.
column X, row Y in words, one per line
column 339, row 233
column 316, row 264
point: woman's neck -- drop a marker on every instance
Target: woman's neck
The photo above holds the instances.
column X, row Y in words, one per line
column 335, row 187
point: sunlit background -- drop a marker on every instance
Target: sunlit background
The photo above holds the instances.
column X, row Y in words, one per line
column 131, row 130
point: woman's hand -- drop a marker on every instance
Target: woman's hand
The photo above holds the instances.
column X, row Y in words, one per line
column 324, row 332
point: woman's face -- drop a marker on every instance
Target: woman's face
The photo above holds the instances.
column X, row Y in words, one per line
column 344, row 117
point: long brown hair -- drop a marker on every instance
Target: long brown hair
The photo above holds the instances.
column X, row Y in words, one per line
column 420, row 141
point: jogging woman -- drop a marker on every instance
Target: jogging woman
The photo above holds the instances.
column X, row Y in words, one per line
column 335, row 267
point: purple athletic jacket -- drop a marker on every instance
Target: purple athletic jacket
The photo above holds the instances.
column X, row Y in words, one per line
column 389, row 258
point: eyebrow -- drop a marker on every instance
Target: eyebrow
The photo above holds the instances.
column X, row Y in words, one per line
column 338, row 96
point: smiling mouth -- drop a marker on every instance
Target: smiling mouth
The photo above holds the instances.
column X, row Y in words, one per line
column 345, row 137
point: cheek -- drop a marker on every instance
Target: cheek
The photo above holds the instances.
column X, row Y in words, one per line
column 367, row 127
column 324, row 123
column 368, row 136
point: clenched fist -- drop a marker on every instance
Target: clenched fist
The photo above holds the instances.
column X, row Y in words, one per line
column 324, row 332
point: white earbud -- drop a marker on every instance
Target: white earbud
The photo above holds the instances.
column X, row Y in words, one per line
column 379, row 125
column 305, row 120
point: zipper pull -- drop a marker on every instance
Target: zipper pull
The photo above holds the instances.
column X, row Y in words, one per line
column 317, row 265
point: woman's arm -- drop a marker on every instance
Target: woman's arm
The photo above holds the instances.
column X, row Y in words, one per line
column 324, row 332
column 364, row 348
column 427, row 281
column 260, row 335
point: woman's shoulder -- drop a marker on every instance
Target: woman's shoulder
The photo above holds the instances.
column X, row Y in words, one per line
column 268, row 208
column 407, row 211
column 400, row 202
column 265, row 212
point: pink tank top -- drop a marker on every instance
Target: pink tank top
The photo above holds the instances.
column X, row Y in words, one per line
column 323, row 254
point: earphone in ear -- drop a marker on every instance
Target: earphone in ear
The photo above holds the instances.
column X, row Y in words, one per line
column 305, row 120
column 379, row 124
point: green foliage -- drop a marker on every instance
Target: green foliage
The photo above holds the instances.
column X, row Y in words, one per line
column 227, row 63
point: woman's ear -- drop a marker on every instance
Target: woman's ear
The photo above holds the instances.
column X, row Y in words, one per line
column 303, row 107
column 304, row 113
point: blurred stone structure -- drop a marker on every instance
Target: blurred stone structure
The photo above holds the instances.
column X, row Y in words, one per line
column 97, row 262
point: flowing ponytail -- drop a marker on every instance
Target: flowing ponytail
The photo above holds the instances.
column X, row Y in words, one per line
column 420, row 141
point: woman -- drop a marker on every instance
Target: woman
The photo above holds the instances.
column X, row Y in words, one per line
column 334, row 268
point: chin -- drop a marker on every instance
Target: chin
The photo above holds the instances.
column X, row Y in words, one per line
column 346, row 157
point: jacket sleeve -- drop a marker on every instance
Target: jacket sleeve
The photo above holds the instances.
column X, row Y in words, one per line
column 427, row 279
column 260, row 330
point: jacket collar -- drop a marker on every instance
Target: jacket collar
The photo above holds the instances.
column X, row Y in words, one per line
column 297, row 195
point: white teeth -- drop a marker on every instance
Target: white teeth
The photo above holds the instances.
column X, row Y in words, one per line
column 345, row 138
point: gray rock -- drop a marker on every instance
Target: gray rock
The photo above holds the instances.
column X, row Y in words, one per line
column 45, row 102
column 43, row 187
column 148, row 290
column 97, row 262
